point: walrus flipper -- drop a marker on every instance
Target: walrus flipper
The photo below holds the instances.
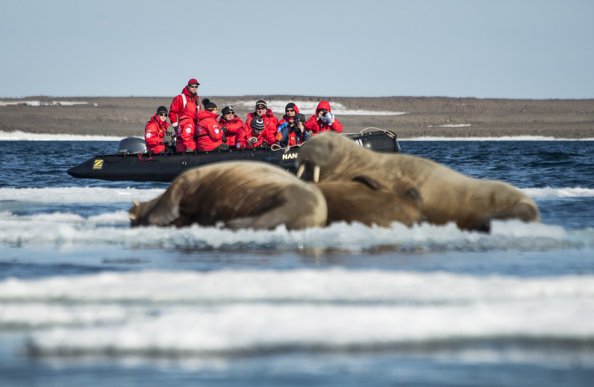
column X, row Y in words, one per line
column 525, row 211
column 161, row 211
column 368, row 181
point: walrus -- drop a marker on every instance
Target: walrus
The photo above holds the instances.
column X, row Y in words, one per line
column 246, row 194
column 367, row 201
column 446, row 195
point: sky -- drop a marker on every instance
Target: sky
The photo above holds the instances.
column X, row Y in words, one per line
column 459, row 48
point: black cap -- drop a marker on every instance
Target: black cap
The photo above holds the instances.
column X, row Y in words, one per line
column 228, row 110
column 208, row 105
column 161, row 109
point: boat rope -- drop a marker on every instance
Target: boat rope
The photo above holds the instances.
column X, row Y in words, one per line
column 276, row 147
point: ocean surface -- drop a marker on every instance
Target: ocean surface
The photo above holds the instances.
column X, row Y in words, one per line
column 87, row 301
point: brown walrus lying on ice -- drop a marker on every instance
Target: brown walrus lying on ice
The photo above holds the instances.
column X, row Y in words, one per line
column 445, row 194
column 257, row 195
column 237, row 195
column 365, row 200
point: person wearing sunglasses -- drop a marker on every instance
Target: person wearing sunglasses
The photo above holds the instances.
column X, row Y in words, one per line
column 183, row 114
column 155, row 130
column 262, row 111
column 231, row 125
column 284, row 125
column 323, row 120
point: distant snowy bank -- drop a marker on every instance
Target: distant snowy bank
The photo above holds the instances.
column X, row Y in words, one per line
column 35, row 102
column 24, row 136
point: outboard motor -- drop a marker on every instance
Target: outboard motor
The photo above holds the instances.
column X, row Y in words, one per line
column 380, row 140
column 132, row 145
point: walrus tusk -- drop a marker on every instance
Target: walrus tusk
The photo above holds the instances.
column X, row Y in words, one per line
column 316, row 174
column 135, row 202
column 132, row 216
column 300, row 170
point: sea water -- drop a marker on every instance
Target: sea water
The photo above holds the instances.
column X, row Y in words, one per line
column 86, row 300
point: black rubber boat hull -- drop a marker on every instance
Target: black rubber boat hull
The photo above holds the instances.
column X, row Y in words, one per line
column 145, row 167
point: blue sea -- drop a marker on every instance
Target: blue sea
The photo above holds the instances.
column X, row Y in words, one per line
column 87, row 301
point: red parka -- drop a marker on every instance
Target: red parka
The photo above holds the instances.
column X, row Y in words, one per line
column 286, row 118
column 266, row 137
column 184, row 105
column 183, row 114
column 209, row 135
column 317, row 126
column 270, row 121
column 234, row 126
column 154, row 132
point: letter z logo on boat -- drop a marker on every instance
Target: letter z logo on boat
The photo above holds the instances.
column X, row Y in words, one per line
column 98, row 164
column 289, row 156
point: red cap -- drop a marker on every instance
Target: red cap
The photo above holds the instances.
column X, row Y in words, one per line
column 193, row 81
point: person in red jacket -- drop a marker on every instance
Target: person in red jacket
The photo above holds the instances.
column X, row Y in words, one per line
column 323, row 120
column 256, row 135
column 291, row 110
column 183, row 114
column 284, row 126
column 231, row 125
column 154, row 131
column 297, row 133
column 209, row 134
column 262, row 111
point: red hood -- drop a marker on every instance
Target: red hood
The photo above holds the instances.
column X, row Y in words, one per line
column 323, row 105
column 202, row 114
column 295, row 108
column 187, row 93
column 232, row 120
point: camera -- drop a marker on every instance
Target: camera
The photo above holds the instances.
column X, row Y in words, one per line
column 298, row 118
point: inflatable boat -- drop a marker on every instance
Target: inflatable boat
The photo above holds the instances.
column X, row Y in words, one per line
column 133, row 163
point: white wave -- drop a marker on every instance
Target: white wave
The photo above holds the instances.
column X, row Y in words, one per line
column 564, row 192
column 295, row 286
column 78, row 194
column 39, row 314
column 26, row 136
column 309, row 107
column 189, row 312
column 112, row 229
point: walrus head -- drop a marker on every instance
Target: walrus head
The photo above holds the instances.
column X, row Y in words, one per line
column 322, row 153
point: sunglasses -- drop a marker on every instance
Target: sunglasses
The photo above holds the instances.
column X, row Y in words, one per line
column 193, row 86
column 290, row 110
column 163, row 114
column 230, row 112
column 260, row 107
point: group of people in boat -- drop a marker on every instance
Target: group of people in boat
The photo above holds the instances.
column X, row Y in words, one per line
column 200, row 128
